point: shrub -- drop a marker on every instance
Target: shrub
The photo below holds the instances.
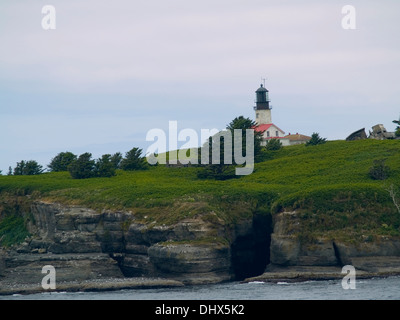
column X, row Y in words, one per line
column 379, row 171
column 273, row 145
column 217, row 172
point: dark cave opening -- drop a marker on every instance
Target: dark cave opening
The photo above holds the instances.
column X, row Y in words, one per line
column 250, row 254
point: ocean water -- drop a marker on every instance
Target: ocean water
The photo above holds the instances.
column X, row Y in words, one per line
column 366, row 289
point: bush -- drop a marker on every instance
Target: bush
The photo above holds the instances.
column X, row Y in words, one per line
column 315, row 140
column 217, row 172
column 28, row 168
column 379, row 171
column 273, row 145
column 61, row 161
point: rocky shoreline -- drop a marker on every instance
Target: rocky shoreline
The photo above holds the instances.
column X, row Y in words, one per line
column 306, row 273
column 274, row 274
column 105, row 284
column 100, row 251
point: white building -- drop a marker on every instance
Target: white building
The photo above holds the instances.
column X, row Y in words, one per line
column 264, row 122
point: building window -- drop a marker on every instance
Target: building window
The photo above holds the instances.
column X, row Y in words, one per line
column 257, row 115
column 267, row 133
column 277, row 133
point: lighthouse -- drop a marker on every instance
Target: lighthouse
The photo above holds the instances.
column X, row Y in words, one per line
column 263, row 116
column 262, row 107
column 266, row 127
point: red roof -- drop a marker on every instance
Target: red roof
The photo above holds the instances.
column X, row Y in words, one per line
column 265, row 127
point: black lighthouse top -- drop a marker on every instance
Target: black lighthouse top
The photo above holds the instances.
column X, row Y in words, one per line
column 262, row 99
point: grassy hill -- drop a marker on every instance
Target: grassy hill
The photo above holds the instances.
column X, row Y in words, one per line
column 328, row 184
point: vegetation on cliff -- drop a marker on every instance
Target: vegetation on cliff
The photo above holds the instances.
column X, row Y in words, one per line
column 329, row 183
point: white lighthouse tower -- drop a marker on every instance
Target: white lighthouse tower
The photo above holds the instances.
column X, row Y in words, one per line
column 266, row 127
column 262, row 108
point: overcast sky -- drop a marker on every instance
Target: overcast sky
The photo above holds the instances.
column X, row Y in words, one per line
column 113, row 70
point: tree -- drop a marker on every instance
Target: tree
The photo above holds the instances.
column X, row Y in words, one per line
column 116, row 159
column 225, row 169
column 104, row 167
column 61, row 161
column 134, row 160
column 397, row 132
column 10, row 171
column 28, row 168
column 82, row 167
column 315, row 140
column 243, row 123
column 213, row 170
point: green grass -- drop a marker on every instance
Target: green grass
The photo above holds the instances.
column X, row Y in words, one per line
column 328, row 182
column 12, row 230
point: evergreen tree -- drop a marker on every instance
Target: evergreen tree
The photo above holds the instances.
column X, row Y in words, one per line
column 116, row 159
column 28, row 168
column 134, row 160
column 104, row 167
column 273, row 145
column 61, row 161
column 225, row 169
column 315, row 140
column 397, row 132
column 82, row 167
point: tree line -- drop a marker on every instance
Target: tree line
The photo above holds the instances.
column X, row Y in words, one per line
column 84, row 166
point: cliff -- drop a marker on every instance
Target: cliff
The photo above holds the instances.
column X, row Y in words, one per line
column 85, row 245
column 294, row 258
column 107, row 250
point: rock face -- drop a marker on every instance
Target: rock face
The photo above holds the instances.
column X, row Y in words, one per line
column 288, row 250
column 84, row 244
column 293, row 257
